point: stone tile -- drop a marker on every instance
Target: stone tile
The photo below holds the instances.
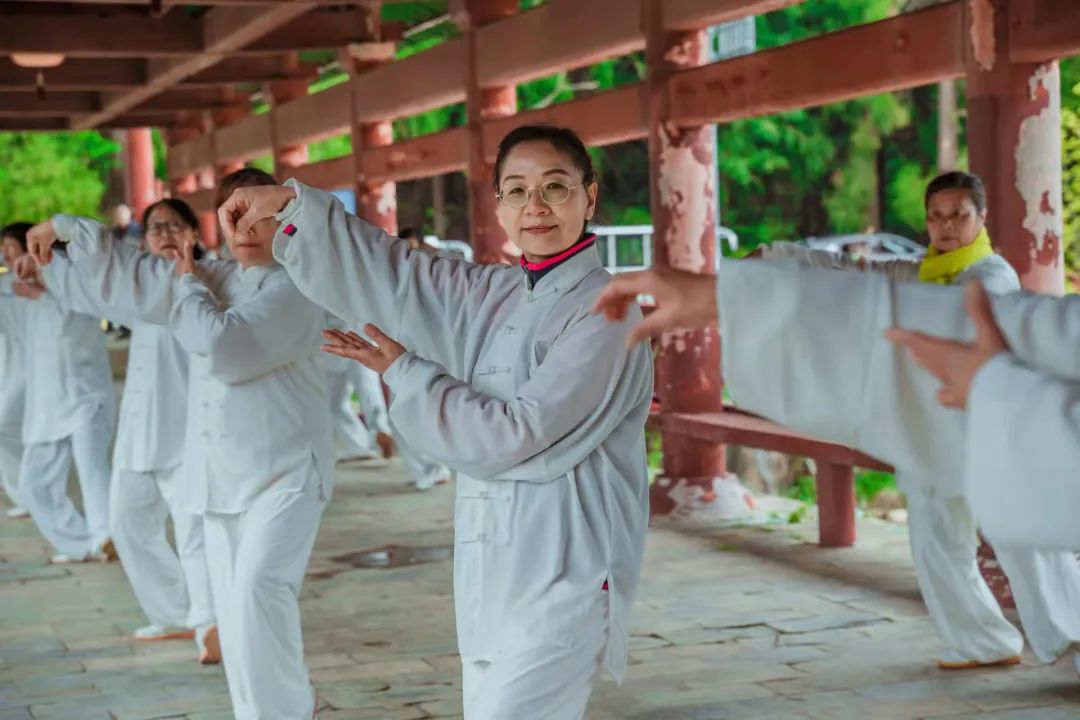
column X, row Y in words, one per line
column 731, row 623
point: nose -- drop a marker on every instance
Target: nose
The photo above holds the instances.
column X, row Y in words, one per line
column 536, row 204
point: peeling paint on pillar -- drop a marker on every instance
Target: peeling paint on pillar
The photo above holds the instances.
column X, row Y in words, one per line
column 983, row 41
column 1038, row 167
column 684, row 222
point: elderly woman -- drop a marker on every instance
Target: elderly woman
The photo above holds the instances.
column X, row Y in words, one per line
column 508, row 380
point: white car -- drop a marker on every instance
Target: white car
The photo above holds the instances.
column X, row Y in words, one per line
column 872, row 246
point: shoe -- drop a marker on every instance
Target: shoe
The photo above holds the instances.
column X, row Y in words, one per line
column 108, row 551
column 209, row 644
column 65, row 559
column 155, row 632
column 17, row 513
column 439, row 477
column 957, row 663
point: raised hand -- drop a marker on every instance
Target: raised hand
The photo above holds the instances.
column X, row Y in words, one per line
column 39, row 242
column 248, row 205
column 378, row 357
column 683, row 300
column 185, row 262
column 953, row 362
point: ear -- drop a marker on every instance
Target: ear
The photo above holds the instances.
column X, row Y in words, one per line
column 592, row 190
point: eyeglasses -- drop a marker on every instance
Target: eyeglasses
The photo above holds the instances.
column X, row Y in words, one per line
column 173, row 228
column 553, row 193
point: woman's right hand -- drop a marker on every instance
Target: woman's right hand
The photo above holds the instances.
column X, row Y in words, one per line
column 248, row 205
column 39, row 241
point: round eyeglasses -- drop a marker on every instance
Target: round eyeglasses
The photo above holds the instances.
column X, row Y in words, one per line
column 553, row 193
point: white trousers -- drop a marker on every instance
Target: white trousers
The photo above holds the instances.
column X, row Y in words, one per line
column 172, row 587
column 351, row 438
column 1045, row 585
column 257, row 561
column 11, row 450
column 43, row 477
column 542, row 682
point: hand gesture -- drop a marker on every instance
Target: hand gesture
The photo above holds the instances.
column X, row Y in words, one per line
column 39, row 242
column 683, row 300
column 248, row 205
column 378, row 357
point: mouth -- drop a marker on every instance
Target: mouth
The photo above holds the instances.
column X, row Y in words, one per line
column 539, row 229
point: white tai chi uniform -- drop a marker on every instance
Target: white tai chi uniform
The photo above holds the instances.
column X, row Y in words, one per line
column 351, row 438
column 258, row 461
column 172, row 587
column 540, row 408
column 819, row 364
column 12, row 397
column 70, row 412
column 424, row 471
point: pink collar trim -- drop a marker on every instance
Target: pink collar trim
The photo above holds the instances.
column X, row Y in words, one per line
column 543, row 264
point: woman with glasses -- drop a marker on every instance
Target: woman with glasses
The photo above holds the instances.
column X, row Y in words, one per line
column 942, row 529
column 258, row 459
column 502, row 374
column 172, row 587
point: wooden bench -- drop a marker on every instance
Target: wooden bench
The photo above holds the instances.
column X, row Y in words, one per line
column 835, row 477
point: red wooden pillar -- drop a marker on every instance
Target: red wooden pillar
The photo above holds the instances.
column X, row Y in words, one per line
column 1014, row 138
column 836, row 504
column 684, row 237
column 182, row 184
column 489, row 242
column 280, row 92
column 376, row 200
column 139, row 161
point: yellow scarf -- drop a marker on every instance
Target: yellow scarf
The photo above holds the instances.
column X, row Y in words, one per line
column 942, row 268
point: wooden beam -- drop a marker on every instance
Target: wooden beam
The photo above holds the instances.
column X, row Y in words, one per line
column 102, row 37
column 575, row 34
column 602, row 119
column 698, row 14
column 157, row 120
column 431, row 79
column 223, row 30
column 28, row 124
column 30, row 105
column 908, row 50
column 421, row 157
column 318, row 30
column 314, row 117
column 1042, row 30
column 255, row 70
column 326, row 175
column 78, row 74
column 191, row 99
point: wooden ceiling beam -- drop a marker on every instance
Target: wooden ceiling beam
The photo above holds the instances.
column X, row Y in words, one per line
column 223, row 31
column 1042, row 30
column 95, row 36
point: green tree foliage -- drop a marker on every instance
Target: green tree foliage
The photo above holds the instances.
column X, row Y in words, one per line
column 45, row 173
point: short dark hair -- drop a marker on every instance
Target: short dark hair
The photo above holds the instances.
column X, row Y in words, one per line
column 408, row 232
column 178, row 206
column 17, row 231
column 244, row 177
column 958, row 180
column 564, row 139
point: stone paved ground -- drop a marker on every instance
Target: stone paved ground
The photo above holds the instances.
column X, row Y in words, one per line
column 748, row 623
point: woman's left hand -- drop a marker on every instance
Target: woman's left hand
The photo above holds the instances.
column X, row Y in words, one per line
column 378, row 357
column 953, row 362
column 185, row 261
